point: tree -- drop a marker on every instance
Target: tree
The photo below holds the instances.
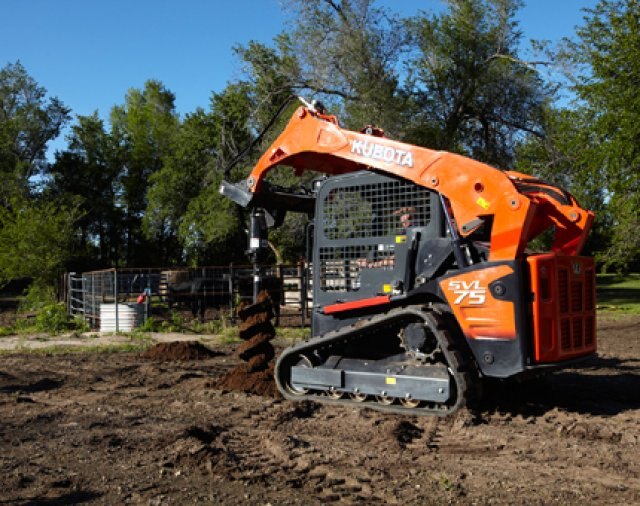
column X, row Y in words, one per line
column 185, row 210
column 36, row 232
column 471, row 91
column 87, row 170
column 609, row 47
column 36, row 237
column 143, row 131
column 28, row 121
column 592, row 149
column 350, row 51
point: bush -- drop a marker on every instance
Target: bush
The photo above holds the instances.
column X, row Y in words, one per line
column 36, row 297
column 54, row 319
column 80, row 324
column 150, row 325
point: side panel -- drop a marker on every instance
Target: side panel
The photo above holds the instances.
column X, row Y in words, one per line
column 489, row 302
column 564, row 314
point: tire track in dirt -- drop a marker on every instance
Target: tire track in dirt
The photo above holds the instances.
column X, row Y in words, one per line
column 254, row 450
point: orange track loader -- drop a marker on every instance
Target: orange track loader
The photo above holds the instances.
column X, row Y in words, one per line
column 422, row 280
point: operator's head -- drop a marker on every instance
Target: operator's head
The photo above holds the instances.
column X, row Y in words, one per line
column 406, row 216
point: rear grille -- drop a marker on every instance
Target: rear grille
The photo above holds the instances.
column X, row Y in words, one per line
column 577, row 300
column 564, row 307
column 577, row 333
column 565, row 334
column 589, row 331
column 563, row 289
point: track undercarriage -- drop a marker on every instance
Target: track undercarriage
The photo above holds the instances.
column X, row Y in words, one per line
column 402, row 361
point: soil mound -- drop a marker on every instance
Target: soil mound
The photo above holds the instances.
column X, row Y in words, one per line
column 254, row 382
column 179, row 350
column 255, row 375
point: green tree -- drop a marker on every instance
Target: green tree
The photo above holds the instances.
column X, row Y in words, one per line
column 28, row 121
column 143, row 131
column 185, row 210
column 559, row 157
column 592, row 149
column 87, row 170
column 350, row 51
column 470, row 89
column 609, row 47
column 36, row 236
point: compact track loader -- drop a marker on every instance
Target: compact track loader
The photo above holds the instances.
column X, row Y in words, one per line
column 423, row 284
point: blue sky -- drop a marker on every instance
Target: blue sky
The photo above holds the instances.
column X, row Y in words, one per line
column 89, row 53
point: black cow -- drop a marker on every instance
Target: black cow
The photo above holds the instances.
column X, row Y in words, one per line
column 197, row 294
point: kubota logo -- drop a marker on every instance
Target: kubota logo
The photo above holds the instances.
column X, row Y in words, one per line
column 470, row 291
column 384, row 153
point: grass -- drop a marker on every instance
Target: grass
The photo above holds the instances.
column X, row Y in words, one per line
column 177, row 323
column 618, row 293
column 6, row 331
column 51, row 319
column 62, row 350
column 293, row 333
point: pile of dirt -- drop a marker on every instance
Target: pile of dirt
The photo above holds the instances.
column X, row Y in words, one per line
column 255, row 375
column 179, row 350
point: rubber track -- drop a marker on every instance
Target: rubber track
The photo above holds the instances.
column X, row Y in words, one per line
column 458, row 367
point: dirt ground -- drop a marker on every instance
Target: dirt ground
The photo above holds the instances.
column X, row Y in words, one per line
column 121, row 428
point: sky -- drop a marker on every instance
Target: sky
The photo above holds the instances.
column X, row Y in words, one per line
column 88, row 53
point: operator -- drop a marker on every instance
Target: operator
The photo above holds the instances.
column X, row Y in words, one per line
column 406, row 216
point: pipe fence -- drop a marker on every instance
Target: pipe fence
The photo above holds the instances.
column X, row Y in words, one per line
column 117, row 295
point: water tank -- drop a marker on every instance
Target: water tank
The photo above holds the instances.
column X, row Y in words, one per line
column 130, row 316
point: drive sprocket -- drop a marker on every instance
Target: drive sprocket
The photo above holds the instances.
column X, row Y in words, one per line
column 419, row 342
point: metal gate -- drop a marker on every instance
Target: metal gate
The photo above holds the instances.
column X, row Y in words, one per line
column 75, row 294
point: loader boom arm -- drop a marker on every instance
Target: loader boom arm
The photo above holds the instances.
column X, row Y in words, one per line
column 520, row 206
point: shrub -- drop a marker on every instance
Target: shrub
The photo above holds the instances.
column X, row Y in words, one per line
column 36, row 297
column 53, row 319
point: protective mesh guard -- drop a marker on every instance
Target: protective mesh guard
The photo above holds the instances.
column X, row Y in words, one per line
column 361, row 224
column 374, row 210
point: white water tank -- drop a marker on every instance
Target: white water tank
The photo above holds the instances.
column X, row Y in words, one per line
column 130, row 316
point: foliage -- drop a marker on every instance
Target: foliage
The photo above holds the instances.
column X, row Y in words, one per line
column 35, row 238
column 142, row 188
column 28, row 122
column 88, row 170
column 149, row 325
column 559, row 157
column 143, row 131
column 471, row 91
column 36, row 297
column 53, row 319
column 609, row 44
column 175, row 323
column 592, row 149
column 351, row 52
column 185, row 191
column 35, row 230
